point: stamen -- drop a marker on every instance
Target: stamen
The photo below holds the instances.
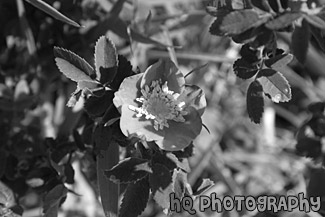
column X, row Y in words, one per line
column 160, row 105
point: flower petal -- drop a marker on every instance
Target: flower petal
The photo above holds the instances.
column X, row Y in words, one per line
column 129, row 90
column 166, row 71
column 138, row 126
column 180, row 134
column 195, row 97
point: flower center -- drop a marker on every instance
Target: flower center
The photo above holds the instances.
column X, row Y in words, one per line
column 160, row 105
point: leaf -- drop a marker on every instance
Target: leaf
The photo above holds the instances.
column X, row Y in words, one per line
column 243, row 69
column 317, row 33
column 204, row 186
column 315, row 20
column 309, row 147
column 300, row 41
column 275, row 85
column 52, row 200
column 161, row 184
column 255, row 101
column 96, row 106
column 179, row 180
column 7, row 197
column 84, row 71
column 283, row 20
column 279, row 61
column 317, row 107
column 105, row 60
column 69, row 173
column 135, row 199
column 52, row 11
column 236, row 22
column 102, row 137
column 250, row 55
column 129, row 170
column 124, row 70
column 109, row 191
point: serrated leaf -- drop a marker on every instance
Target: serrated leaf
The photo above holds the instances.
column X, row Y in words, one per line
column 236, row 22
column 283, row 20
column 243, row 69
column 275, row 85
column 249, row 54
column 105, row 60
column 52, row 11
column 255, row 101
column 135, row 199
column 52, row 200
column 279, row 61
column 300, row 41
column 124, row 70
column 161, row 184
column 204, row 186
column 315, row 21
column 74, row 60
column 129, row 170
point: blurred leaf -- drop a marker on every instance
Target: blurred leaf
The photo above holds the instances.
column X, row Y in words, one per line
column 283, row 20
column 317, row 33
column 262, row 4
column 21, row 90
column 7, row 197
column 52, row 11
column 129, row 170
column 204, row 186
column 117, row 8
column 105, row 60
column 309, row 147
column 300, row 41
column 255, row 101
column 315, row 21
column 279, row 61
column 72, row 65
column 236, row 22
column 52, row 200
column 109, row 191
column 135, row 199
column 317, row 107
column 275, row 85
column 161, row 184
column 243, row 69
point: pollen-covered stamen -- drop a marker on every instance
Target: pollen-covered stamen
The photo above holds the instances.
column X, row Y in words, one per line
column 159, row 104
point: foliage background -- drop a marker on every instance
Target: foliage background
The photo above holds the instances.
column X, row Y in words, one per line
column 242, row 158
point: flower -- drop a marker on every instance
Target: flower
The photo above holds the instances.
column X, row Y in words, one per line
column 158, row 106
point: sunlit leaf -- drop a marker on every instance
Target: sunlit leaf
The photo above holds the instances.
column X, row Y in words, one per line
column 279, row 61
column 275, row 85
column 105, row 60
